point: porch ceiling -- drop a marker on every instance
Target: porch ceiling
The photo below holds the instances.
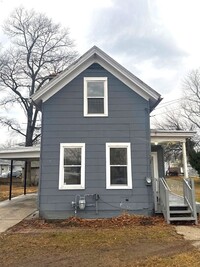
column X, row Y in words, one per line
column 167, row 136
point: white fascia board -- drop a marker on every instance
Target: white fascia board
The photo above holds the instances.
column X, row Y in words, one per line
column 95, row 55
column 124, row 73
column 164, row 136
column 21, row 153
column 165, row 133
column 37, row 95
column 59, row 82
column 167, row 140
column 68, row 78
column 123, row 78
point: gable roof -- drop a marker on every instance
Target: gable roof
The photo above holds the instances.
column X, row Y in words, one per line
column 96, row 55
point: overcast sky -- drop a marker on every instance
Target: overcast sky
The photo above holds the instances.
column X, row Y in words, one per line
column 157, row 40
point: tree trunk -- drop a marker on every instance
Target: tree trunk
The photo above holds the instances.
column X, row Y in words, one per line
column 30, row 127
column 28, row 141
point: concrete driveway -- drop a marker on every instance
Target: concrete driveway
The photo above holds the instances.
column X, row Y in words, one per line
column 15, row 210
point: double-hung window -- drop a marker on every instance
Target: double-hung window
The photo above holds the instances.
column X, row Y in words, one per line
column 95, row 96
column 118, row 166
column 72, row 166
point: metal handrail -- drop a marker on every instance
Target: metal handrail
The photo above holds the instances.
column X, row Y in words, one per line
column 189, row 196
column 164, row 198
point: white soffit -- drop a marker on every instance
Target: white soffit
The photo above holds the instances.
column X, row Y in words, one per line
column 95, row 55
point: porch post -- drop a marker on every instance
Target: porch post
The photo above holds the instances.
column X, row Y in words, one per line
column 184, row 160
column 11, row 179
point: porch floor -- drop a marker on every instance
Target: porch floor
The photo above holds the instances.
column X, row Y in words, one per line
column 175, row 200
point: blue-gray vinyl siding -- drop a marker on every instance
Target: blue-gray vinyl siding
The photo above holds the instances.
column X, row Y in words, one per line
column 63, row 122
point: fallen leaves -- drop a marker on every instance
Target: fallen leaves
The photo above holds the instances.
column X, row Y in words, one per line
column 123, row 220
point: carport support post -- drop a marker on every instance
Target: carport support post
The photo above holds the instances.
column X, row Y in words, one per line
column 25, row 176
column 11, row 172
column 184, row 160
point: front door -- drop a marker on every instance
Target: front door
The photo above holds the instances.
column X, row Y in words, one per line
column 155, row 178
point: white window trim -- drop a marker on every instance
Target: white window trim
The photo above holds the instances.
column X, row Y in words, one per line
column 85, row 102
column 129, row 172
column 62, row 186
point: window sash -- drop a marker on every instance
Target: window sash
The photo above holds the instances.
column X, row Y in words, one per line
column 66, row 178
column 124, row 182
column 102, row 110
column 99, row 106
column 72, row 175
column 95, row 88
column 118, row 175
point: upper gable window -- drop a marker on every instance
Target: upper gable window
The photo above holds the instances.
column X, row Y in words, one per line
column 95, row 96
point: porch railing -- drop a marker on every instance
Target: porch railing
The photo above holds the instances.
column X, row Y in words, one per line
column 189, row 196
column 164, row 198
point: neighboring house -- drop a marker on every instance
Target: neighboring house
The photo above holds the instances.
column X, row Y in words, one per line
column 96, row 141
column 5, row 166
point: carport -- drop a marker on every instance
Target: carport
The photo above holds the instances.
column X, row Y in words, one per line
column 26, row 154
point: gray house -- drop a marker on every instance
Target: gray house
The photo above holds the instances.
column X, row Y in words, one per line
column 96, row 141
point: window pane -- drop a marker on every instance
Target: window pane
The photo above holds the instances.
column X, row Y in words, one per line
column 95, row 105
column 72, row 156
column 72, row 175
column 118, row 156
column 95, row 89
column 118, row 175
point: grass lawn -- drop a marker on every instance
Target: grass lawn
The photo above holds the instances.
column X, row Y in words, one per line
column 51, row 244
column 197, row 188
column 16, row 190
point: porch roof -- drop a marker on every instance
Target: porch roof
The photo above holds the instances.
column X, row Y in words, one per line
column 166, row 136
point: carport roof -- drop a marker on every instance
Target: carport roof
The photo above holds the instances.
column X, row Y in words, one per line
column 21, row 153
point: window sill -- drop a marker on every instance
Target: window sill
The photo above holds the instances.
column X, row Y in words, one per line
column 119, row 187
column 71, row 188
column 95, row 115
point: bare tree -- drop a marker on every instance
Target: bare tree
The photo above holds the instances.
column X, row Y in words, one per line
column 39, row 49
column 171, row 119
column 191, row 102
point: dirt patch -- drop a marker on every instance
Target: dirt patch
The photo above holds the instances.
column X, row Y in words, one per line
column 191, row 233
